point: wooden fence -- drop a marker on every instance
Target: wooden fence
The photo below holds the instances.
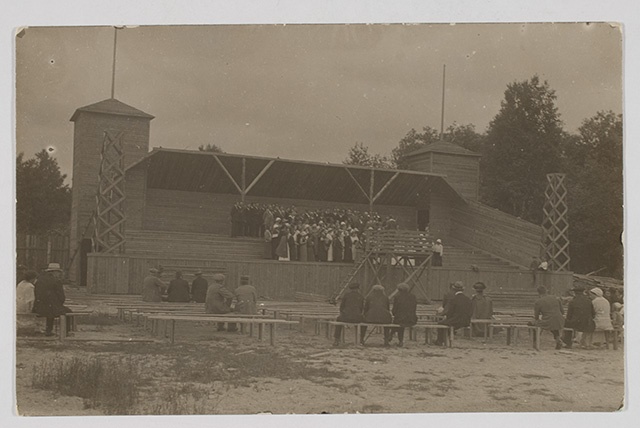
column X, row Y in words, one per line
column 37, row 251
column 122, row 274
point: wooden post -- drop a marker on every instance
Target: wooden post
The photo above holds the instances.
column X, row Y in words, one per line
column 371, row 183
column 244, row 179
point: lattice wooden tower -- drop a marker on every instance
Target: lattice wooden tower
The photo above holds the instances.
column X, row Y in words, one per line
column 389, row 249
column 555, row 224
column 109, row 217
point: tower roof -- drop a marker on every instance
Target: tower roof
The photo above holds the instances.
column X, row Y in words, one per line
column 112, row 106
column 444, row 147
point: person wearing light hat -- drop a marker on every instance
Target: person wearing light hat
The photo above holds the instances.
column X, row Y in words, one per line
column 218, row 300
column 580, row 313
column 152, row 287
column 351, row 308
column 481, row 308
column 602, row 317
column 376, row 311
column 49, row 297
column 437, row 250
column 246, row 296
column 404, row 312
column 199, row 288
column 457, row 313
column 547, row 313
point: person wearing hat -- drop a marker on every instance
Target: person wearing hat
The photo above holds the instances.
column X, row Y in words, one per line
column 481, row 308
column 580, row 313
column 246, row 297
column 448, row 297
column 275, row 239
column 199, row 288
column 49, row 297
column 404, row 312
column 218, row 300
column 548, row 314
column 152, row 287
column 437, row 250
column 602, row 317
column 178, row 290
column 376, row 311
column 351, row 308
column 457, row 313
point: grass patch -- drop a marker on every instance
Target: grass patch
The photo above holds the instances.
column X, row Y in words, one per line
column 180, row 400
column 108, row 384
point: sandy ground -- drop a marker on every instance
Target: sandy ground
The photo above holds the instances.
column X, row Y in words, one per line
column 230, row 373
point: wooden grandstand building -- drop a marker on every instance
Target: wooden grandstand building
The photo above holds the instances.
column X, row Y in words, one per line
column 177, row 213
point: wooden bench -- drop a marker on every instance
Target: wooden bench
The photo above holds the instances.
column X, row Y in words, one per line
column 261, row 322
column 357, row 329
column 428, row 328
column 70, row 318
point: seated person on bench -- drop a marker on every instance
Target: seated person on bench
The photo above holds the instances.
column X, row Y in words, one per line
column 376, row 311
column 457, row 313
column 404, row 312
column 219, row 300
column 351, row 308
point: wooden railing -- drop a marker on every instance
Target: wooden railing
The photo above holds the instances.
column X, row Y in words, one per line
column 399, row 242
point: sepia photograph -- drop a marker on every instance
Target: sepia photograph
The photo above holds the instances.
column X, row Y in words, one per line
column 319, row 219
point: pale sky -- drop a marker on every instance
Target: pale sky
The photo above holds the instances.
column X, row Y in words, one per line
column 305, row 92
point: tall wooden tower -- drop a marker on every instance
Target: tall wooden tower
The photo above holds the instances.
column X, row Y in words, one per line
column 91, row 124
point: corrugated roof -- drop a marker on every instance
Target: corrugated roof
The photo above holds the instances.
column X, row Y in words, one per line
column 112, row 106
column 444, row 147
column 196, row 171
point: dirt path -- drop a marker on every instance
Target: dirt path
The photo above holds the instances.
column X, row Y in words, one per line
column 223, row 373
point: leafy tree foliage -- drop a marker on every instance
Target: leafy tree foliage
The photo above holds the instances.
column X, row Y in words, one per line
column 210, row 148
column 523, row 145
column 595, row 176
column 43, row 200
column 359, row 155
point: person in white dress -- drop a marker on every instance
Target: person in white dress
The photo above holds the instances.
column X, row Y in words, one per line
column 25, row 294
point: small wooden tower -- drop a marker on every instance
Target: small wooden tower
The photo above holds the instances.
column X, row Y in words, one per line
column 91, row 124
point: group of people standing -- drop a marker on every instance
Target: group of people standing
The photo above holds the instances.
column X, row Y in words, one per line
column 217, row 298
column 253, row 219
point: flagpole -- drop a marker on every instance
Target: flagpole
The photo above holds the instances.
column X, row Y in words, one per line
column 444, row 70
column 113, row 71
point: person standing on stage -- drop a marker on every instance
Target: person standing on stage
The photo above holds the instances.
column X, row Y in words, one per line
column 437, row 253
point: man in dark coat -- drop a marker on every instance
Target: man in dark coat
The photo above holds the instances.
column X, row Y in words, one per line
column 481, row 308
column 457, row 313
column 376, row 311
column 219, row 300
column 404, row 311
column 199, row 288
column 246, row 296
column 49, row 296
column 351, row 308
column 547, row 313
column 178, row 290
column 580, row 313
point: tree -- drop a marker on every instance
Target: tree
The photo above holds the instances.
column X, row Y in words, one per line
column 210, row 148
column 412, row 142
column 359, row 155
column 595, row 187
column 523, row 145
column 43, row 201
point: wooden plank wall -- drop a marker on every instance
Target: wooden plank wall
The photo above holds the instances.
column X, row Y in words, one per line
column 180, row 211
column 112, row 274
column 462, row 172
column 439, row 214
column 496, row 232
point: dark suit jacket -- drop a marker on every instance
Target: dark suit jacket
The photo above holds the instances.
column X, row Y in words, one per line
column 404, row 309
column 199, row 288
column 376, row 308
column 351, row 307
column 178, row 291
column 580, row 314
column 49, row 296
column 458, row 312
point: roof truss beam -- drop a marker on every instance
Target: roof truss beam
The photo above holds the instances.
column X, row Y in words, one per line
column 228, row 174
